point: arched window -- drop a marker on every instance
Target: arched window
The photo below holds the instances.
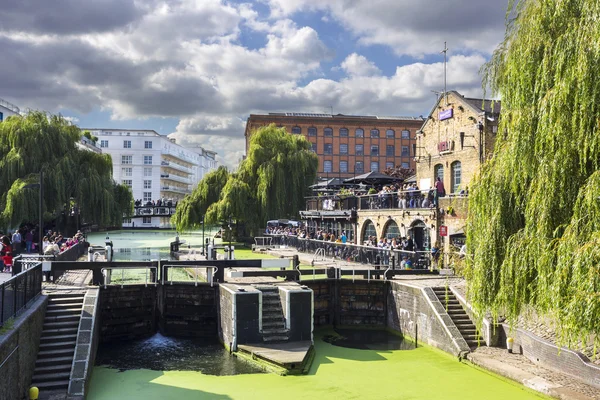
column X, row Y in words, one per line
column 375, row 133
column 359, row 132
column 369, row 230
column 343, row 132
column 390, row 133
column 328, row 132
column 456, row 176
column 296, row 130
column 312, row 131
column 438, row 172
column 392, row 230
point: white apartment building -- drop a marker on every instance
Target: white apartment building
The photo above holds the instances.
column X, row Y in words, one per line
column 7, row 109
column 158, row 171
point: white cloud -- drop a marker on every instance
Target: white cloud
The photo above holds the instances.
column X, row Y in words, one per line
column 357, row 65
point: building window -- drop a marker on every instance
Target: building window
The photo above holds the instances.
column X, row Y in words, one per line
column 148, row 160
column 374, row 166
column 390, row 151
column 369, row 231
column 359, row 167
column 375, row 151
column 343, row 166
column 104, row 143
column 375, row 133
column 127, row 182
column 126, row 159
column 390, row 133
column 343, row 148
column 328, row 132
column 328, row 148
column 389, row 165
column 314, row 147
column 405, row 152
column 146, row 220
column 327, row 166
column 147, row 171
column 405, row 134
column 359, row 149
column 359, row 132
column 147, row 197
column 312, row 131
column 126, row 144
column 147, row 184
column 456, row 176
column 296, row 130
column 126, row 220
column 343, row 132
column 127, row 171
column 405, row 165
column 438, row 172
column 147, row 144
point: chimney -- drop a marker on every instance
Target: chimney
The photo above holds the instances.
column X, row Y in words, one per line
column 172, row 140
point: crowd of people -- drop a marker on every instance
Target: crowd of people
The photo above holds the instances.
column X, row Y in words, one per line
column 54, row 243
column 156, row 203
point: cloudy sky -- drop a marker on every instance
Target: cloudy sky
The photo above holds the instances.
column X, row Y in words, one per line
column 195, row 69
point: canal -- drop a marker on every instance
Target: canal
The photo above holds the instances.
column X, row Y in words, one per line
column 357, row 365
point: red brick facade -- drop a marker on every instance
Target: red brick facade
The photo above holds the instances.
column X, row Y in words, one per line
column 336, row 140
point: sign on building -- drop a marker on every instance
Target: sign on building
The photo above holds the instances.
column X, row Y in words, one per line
column 446, row 114
column 443, row 230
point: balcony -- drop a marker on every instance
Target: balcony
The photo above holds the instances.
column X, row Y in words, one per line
column 176, row 178
column 153, row 211
column 413, row 199
column 175, row 166
column 175, row 189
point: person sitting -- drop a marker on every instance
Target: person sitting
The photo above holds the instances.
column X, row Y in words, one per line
column 8, row 261
column 52, row 249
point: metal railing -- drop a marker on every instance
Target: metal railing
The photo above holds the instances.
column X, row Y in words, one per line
column 19, row 291
column 387, row 201
column 135, row 276
column 356, row 253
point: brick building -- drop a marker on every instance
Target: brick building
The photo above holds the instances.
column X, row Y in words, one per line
column 455, row 140
column 349, row 145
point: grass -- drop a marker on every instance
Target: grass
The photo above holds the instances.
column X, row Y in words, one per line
column 8, row 325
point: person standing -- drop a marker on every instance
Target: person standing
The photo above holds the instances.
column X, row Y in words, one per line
column 16, row 242
column 439, row 190
column 28, row 241
column 343, row 237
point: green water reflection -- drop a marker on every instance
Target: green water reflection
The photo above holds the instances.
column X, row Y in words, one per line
column 336, row 373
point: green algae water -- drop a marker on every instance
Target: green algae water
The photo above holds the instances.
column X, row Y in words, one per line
column 336, row 373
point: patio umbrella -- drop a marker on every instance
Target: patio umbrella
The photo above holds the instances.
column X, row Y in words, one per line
column 372, row 178
column 331, row 183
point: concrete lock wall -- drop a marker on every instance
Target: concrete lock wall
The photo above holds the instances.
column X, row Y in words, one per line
column 239, row 315
column 297, row 309
column 18, row 350
column 127, row 312
column 188, row 310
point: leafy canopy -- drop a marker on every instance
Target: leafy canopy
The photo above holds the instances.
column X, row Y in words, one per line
column 534, row 212
column 270, row 183
column 38, row 142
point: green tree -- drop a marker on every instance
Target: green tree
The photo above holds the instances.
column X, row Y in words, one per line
column 270, row 183
column 36, row 142
column 192, row 208
column 534, row 212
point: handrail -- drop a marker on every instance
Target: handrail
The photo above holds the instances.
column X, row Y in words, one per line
column 23, row 288
column 146, row 268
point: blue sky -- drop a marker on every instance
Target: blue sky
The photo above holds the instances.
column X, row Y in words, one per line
column 196, row 69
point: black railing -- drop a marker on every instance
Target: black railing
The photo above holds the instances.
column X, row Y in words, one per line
column 384, row 201
column 19, row 291
column 356, row 253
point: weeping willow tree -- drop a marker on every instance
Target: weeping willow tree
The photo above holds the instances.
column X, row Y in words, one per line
column 270, row 183
column 38, row 142
column 191, row 210
column 534, row 211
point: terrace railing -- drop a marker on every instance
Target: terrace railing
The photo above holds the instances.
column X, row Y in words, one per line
column 19, row 291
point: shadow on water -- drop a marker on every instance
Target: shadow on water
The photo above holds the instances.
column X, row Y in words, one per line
column 355, row 345
column 161, row 353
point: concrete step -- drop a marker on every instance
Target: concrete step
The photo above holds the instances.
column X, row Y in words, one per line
column 270, row 295
column 51, row 333
column 58, row 344
column 53, row 368
column 449, row 307
column 468, row 331
column 271, row 318
column 267, row 288
column 275, row 332
column 271, row 300
column 45, row 362
column 63, row 384
column 53, row 353
column 75, row 297
column 58, row 325
column 275, row 339
column 472, row 338
column 271, row 324
column 58, row 338
column 63, row 311
column 70, row 304
column 62, row 318
column 51, row 377
column 473, row 343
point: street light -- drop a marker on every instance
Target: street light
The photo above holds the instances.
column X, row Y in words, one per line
column 41, row 207
column 203, row 242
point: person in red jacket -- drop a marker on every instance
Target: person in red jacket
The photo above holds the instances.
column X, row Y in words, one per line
column 7, row 260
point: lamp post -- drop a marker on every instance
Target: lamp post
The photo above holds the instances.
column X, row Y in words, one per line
column 203, row 242
column 41, row 208
column 230, row 234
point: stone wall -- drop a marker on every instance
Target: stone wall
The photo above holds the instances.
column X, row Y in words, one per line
column 324, row 299
column 416, row 312
column 239, row 313
column 297, row 310
column 187, row 310
column 127, row 312
column 18, row 350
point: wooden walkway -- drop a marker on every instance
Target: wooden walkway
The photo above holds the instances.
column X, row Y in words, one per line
column 289, row 355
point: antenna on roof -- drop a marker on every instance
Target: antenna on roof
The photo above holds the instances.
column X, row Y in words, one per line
column 445, row 51
column 331, row 109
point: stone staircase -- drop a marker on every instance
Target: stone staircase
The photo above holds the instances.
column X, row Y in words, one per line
column 457, row 313
column 57, row 344
column 273, row 321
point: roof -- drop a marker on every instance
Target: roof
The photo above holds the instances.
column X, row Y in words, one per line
column 334, row 116
column 489, row 106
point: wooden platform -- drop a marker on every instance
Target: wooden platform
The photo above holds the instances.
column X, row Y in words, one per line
column 295, row 357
